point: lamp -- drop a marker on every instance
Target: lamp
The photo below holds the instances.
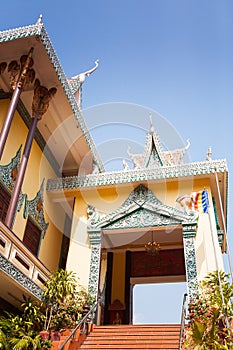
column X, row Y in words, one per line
column 152, row 248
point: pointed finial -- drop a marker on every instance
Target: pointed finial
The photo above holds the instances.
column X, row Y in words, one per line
column 209, row 154
column 39, row 21
column 151, row 123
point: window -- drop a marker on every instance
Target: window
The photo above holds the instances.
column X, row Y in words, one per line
column 32, row 236
column 4, row 202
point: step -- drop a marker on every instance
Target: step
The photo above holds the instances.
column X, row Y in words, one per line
column 162, row 336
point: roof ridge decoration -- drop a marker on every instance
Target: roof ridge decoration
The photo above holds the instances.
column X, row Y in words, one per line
column 153, row 155
column 39, row 30
column 76, row 82
column 141, row 209
column 136, row 175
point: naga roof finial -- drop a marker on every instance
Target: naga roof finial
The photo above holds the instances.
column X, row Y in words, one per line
column 39, row 21
column 82, row 76
column 76, row 82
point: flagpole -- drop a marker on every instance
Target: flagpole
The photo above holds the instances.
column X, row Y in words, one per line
column 219, row 278
column 224, row 226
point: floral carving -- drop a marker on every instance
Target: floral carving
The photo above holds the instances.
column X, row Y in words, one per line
column 34, row 208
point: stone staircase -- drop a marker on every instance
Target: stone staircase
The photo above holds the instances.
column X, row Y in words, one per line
column 144, row 337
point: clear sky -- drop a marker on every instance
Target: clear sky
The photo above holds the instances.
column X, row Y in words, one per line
column 170, row 56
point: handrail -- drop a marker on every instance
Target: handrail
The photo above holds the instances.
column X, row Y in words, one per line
column 82, row 321
column 182, row 323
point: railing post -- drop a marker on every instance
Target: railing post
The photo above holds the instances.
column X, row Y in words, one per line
column 182, row 323
column 86, row 309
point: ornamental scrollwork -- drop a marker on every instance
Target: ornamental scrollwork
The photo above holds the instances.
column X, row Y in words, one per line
column 92, row 215
column 137, row 175
column 13, row 272
column 35, row 209
column 8, row 174
column 191, row 267
column 94, row 270
column 141, row 209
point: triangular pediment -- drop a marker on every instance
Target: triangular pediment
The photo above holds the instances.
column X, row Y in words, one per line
column 141, row 209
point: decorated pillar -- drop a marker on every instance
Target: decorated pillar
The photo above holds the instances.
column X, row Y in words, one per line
column 93, row 283
column 189, row 233
column 21, row 75
column 40, row 104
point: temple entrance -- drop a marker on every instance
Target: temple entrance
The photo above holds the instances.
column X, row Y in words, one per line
column 158, row 303
column 132, row 265
column 144, row 241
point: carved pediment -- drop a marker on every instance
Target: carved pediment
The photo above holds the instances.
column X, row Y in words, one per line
column 140, row 218
column 141, row 209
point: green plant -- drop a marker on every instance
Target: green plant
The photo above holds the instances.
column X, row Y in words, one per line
column 209, row 314
column 4, row 345
column 20, row 332
column 26, row 341
column 46, row 344
column 63, row 298
column 33, row 316
column 61, row 308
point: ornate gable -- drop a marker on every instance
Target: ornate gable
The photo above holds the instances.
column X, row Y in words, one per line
column 141, row 209
column 154, row 156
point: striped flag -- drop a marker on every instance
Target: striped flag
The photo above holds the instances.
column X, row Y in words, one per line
column 200, row 201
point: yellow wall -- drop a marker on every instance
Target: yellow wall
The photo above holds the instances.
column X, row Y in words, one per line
column 38, row 168
column 109, row 199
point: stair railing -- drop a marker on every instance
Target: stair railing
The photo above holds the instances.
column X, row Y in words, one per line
column 82, row 324
column 182, row 323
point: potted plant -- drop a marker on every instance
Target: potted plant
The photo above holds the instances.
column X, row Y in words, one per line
column 62, row 299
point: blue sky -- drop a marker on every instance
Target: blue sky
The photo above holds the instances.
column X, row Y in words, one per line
column 170, row 56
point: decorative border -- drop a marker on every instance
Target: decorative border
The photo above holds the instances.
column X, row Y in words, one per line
column 129, row 176
column 6, row 177
column 191, row 265
column 13, row 272
column 34, row 208
column 93, row 282
column 6, row 170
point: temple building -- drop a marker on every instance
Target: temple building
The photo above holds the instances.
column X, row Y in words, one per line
column 164, row 220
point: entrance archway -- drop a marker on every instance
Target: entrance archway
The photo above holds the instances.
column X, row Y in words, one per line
column 118, row 245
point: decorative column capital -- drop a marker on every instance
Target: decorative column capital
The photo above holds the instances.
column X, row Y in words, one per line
column 95, row 236
column 42, row 97
column 189, row 229
column 21, row 73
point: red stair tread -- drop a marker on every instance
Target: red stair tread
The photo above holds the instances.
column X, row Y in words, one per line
column 162, row 336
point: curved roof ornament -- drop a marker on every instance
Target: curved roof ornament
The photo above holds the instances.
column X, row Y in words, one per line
column 76, row 82
column 83, row 76
column 80, row 78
